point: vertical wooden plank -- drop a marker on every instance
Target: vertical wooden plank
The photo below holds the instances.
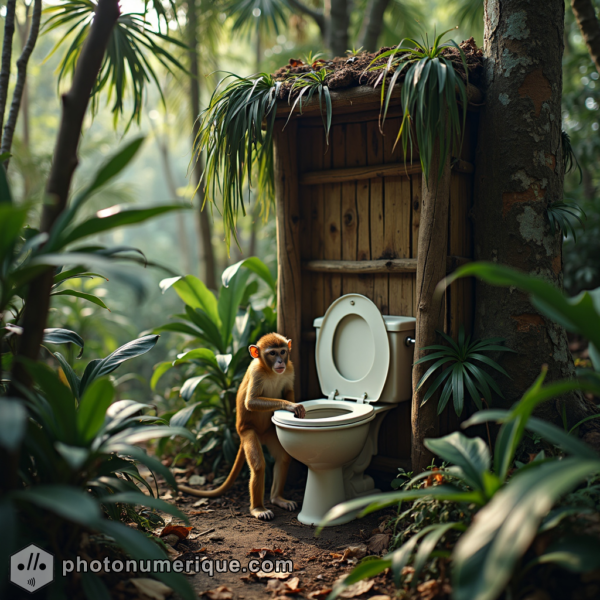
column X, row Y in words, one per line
column 376, row 227
column 305, row 193
column 289, row 282
column 417, row 197
column 397, row 234
column 332, row 242
column 317, row 156
column 348, row 202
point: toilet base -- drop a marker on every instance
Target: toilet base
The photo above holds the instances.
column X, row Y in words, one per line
column 324, row 489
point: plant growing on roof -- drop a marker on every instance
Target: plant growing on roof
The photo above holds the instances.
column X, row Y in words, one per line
column 463, row 372
column 429, row 96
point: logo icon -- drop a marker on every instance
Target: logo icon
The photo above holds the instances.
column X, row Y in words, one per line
column 32, row 568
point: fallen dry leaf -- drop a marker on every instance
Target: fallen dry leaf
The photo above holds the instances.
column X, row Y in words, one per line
column 152, row 588
column 380, row 597
column 197, row 480
column 250, row 578
column 293, row 585
column 220, row 593
column 357, row 589
column 317, row 594
column 273, row 575
column 179, row 530
column 357, row 552
column 201, row 512
column 275, row 585
column 200, row 502
column 378, row 543
column 167, row 496
column 336, row 555
column 262, row 552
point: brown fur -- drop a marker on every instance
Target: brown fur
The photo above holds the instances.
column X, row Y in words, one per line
column 263, row 391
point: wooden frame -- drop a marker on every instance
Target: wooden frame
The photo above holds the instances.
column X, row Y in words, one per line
column 348, row 212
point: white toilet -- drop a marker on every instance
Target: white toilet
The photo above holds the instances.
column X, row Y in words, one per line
column 364, row 362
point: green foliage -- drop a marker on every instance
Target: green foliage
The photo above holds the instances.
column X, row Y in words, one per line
column 78, row 462
column 308, row 84
column 225, row 326
column 462, row 370
column 429, row 96
column 512, row 505
column 231, row 135
column 563, row 216
column 569, row 157
column 272, row 15
column 128, row 59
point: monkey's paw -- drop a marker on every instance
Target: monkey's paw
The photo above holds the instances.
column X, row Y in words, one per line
column 264, row 514
column 283, row 503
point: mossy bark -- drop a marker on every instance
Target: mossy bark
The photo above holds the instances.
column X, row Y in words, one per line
column 519, row 172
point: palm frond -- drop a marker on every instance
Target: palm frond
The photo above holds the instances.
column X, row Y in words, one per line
column 129, row 63
column 250, row 15
column 562, row 217
column 456, row 368
column 428, row 96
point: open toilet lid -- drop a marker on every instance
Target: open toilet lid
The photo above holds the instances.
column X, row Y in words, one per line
column 353, row 349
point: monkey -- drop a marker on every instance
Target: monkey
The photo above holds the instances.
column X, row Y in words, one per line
column 268, row 385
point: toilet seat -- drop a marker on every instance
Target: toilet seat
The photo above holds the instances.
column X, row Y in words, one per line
column 353, row 330
column 323, row 411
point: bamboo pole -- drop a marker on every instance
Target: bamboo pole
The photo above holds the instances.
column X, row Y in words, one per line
column 289, row 280
column 431, row 268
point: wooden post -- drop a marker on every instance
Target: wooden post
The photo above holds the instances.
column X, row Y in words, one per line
column 289, row 282
column 431, row 269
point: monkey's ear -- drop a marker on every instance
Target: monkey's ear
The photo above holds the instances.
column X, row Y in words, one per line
column 254, row 351
column 290, row 345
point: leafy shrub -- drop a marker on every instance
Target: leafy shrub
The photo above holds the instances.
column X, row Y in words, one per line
column 225, row 326
column 512, row 505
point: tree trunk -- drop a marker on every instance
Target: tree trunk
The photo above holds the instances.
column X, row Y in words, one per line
column 339, row 22
column 64, row 162
column 11, row 123
column 585, row 14
column 203, row 226
column 373, row 25
column 24, row 34
column 519, row 172
column 431, row 269
column 9, row 31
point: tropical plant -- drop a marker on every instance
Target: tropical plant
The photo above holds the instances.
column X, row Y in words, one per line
column 309, row 83
column 225, row 327
column 25, row 253
column 76, row 453
column 133, row 44
column 569, row 157
column 462, row 361
column 562, row 217
column 512, row 506
column 231, row 135
column 493, row 488
column 429, row 96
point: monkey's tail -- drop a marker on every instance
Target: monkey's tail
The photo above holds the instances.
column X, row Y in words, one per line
column 240, row 459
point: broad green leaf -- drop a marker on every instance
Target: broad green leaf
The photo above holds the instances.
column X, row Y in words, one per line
column 159, row 370
column 576, row 553
column 181, row 417
column 578, row 314
column 143, row 434
column 120, row 411
column 470, row 454
column 111, row 218
column 486, row 555
column 204, row 355
column 13, row 423
column 96, row 399
column 93, row 587
column 89, row 297
column 143, row 457
column 229, row 304
column 139, row 498
column 104, row 366
column 255, row 265
column 208, row 327
column 12, row 220
column 68, row 502
column 63, row 336
column 74, row 455
column 190, row 385
column 196, row 295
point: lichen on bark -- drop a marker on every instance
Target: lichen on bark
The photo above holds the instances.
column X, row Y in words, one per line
column 518, row 174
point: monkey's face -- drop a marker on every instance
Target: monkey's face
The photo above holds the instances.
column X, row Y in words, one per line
column 277, row 359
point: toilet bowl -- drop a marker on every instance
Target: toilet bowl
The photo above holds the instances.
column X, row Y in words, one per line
column 364, row 368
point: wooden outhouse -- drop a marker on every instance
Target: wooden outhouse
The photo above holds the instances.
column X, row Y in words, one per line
column 348, row 221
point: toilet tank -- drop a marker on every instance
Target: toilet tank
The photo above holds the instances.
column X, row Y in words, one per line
column 398, row 386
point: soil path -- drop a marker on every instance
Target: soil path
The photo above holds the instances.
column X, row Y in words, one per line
column 224, row 529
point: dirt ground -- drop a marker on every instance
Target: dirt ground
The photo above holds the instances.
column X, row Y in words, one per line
column 224, row 529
